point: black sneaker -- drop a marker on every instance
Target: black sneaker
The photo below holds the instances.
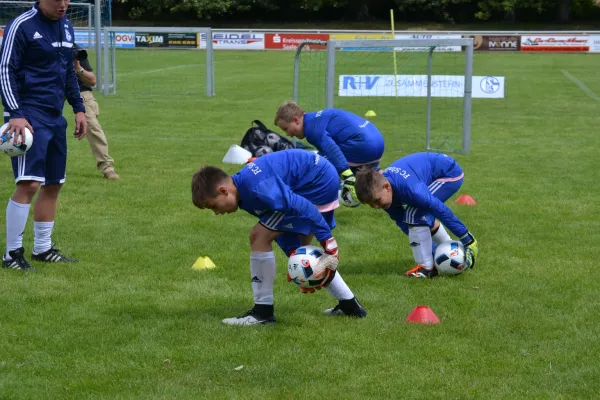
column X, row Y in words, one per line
column 350, row 308
column 17, row 261
column 421, row 271
column 259, row 315
column 51, row 255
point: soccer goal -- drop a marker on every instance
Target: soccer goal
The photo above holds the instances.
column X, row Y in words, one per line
column 159, row 62
column 416, row 91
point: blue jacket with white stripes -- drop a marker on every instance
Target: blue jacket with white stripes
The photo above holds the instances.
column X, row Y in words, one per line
column 36, row 67
column 342, row 137
column 290, row 182
column 413, row 180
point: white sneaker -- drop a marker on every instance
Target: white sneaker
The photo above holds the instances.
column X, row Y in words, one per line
column 249, row 319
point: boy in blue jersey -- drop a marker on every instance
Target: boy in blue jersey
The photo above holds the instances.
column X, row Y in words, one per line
column 293, row 193
column 36, row 72
column 345, row 139
column 412, row 191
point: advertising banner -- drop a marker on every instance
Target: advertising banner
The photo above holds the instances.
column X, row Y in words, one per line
column 124, row 40
column 495, row 43
column 362, row 36
column 484, row 87
column 290, row 41
column 555, row 43
column 149, row 39
column 182, row 40
column 86, row 38
column 594, row 43
column 428, row 36
column 235, row 41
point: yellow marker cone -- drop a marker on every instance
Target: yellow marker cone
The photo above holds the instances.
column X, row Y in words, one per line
column 203, row 263
column 370, row 113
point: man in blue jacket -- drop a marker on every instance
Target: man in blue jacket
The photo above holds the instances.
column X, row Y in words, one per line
column 293, row 193
column 412, row 190
column 36, row 74
column 345, row 139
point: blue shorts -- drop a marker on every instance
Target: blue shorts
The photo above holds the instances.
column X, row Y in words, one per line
column 442, row 190
column 290, row 240
column 46, row 161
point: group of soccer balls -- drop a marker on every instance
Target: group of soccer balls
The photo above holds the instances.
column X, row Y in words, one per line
column 449, row 259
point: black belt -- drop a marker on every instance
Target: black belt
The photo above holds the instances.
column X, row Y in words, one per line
column 85, row 90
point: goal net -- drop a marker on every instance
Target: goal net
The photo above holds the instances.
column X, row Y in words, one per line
column 158, row 62
column 416, row 91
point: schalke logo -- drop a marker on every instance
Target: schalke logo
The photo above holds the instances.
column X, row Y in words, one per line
column 490, row 84
column 68, row 35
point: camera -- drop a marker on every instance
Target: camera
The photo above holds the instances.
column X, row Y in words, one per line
column 80, row 54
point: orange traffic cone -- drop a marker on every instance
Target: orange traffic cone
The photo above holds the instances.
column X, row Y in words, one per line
column 466, row 200
column 422, row 315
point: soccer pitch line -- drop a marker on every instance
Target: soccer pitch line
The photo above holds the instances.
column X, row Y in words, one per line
column 152, row 71
column 178, row 139
column 581, row 85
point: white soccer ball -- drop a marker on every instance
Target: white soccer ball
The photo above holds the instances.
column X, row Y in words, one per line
column 450, row 258
column 12, row 150
column 303, row 267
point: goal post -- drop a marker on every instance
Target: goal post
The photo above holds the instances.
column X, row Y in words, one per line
column 111, row 55
column 426, row 103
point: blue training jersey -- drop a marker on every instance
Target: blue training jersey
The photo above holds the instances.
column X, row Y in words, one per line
column 342, row 137
column 410, row 178
column 291, row 182
column 36, row 70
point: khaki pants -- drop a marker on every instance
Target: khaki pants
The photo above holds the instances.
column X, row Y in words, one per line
column 95, row 134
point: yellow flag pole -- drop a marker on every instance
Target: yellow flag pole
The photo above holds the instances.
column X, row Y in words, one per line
column 394, row 51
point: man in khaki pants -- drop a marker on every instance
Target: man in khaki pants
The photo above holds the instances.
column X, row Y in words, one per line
column 96, row 137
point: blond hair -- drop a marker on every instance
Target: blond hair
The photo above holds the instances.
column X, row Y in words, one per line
column 287, row 111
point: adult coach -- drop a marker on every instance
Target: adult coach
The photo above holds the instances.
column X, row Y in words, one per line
column 36, row 73
column 95, row 135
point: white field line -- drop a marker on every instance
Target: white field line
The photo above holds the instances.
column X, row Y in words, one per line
column 152, row 71
column 581, row 85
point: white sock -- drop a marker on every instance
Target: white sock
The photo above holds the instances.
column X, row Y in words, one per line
column 420, row 244
column 42, row 236
column 262, row 270
column 441, row 236
column 16, row 219
column 338, row 288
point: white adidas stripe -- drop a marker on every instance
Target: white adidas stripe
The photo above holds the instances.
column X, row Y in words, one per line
column 7, row 50
column 274, row 219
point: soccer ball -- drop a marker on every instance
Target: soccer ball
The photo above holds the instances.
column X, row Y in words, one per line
column 450, row 258
column 12, row 150
column 303, row 267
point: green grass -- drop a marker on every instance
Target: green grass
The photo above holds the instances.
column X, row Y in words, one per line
column 133, row 320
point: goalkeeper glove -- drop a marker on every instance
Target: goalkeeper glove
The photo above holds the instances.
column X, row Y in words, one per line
column 324, row 283
column 471, row 250
column 348, row 196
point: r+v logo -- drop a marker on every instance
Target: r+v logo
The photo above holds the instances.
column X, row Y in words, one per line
column 360, row 82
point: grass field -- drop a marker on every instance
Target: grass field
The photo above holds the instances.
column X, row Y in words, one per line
column 133, row 320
